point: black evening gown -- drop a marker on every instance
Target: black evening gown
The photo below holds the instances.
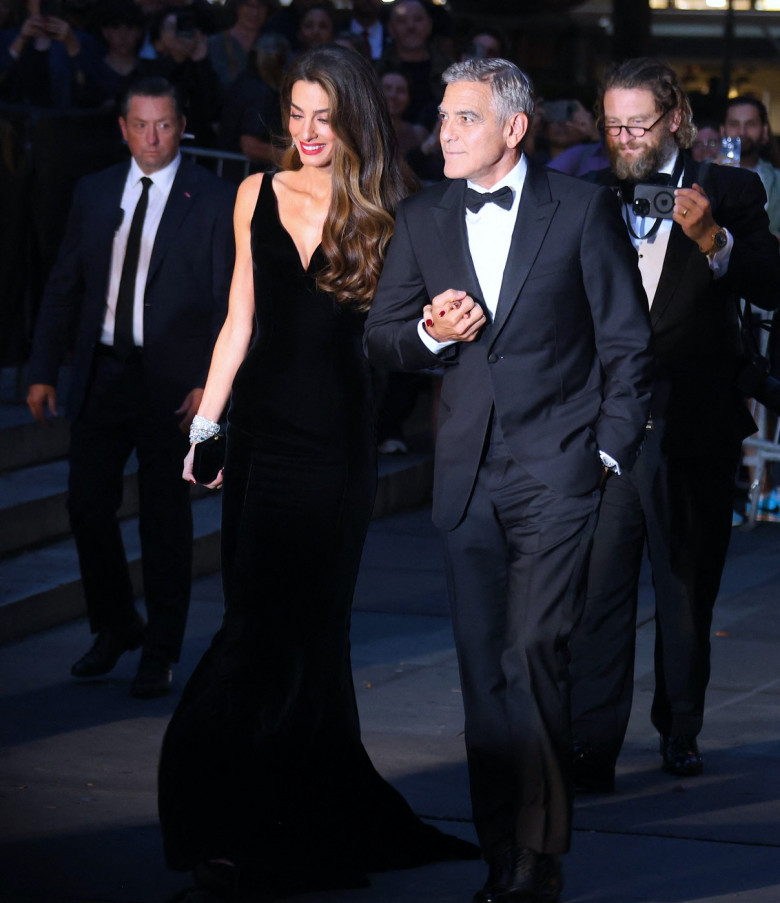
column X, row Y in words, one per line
column 262, row 762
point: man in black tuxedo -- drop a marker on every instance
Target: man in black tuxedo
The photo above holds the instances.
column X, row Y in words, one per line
column 521, row 284
column 678, row 497
column 143, row 275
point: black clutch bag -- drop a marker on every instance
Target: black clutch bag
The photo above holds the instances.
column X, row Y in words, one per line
column 209, row 459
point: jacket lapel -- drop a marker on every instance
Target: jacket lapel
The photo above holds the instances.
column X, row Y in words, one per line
column 534, row 215
column 108, row 218
column 179, row 204
column 450, row 219
column 678, row 251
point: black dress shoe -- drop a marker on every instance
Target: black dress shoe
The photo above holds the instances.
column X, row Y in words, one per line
column 153, row 677
column 681, row 756
column 499, row 871
column 535, row 878
column 107, row 648
column 593, row 769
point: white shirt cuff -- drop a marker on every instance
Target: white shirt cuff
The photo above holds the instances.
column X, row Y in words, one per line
column 609, row 462
column 430, row 343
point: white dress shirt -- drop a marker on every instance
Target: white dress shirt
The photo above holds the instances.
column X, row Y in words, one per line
column 159, row 191
column 652, row 250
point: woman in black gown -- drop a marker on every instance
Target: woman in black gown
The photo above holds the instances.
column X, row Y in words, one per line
column 264, row 783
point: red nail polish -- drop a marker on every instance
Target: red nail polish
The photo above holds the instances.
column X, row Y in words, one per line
column 442, row 312
column 429, row 322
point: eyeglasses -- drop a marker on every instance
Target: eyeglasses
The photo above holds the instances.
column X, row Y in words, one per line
column 712, row 144
column 635, row 131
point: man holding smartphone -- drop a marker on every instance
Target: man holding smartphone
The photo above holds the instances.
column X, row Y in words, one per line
column 696, row 260
column 41, row 66
column 746, row 118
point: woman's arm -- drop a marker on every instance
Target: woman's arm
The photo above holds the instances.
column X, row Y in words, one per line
column 233, row 340
column 234, row 337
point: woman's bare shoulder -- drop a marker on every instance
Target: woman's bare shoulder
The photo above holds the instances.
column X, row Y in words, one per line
column 249, row 189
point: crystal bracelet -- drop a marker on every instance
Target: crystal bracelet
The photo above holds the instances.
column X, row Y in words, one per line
column 202, row 428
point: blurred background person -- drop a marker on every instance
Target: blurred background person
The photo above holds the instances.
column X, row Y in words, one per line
column 746, row 118
column 287, row 20
column 228, row 50
column 484, row 43
column 706, row 144
column 410, row 27
column 119, row 26
column 251, row 116
column 42, row 62
column 564, row 124
column 317, row 26
column 588, row 154
column 420, row 148
column 182, row 59
column 366, row 23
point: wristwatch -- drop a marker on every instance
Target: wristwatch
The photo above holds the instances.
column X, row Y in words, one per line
column 719, row 240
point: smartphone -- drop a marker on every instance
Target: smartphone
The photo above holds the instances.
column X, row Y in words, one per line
column 730, row 151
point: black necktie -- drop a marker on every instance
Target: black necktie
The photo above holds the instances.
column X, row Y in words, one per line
column 476, row 200
column 124, row 342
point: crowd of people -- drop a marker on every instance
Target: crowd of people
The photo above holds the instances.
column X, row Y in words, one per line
column 587, row 352
column 56, row 55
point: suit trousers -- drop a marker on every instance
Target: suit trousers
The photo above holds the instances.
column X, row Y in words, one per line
column 681, row 507
column 514, row 568
column 120, row 415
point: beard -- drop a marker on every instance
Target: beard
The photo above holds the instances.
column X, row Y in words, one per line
column 639, row 166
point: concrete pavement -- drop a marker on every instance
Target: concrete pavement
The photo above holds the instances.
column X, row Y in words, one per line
column 77, row 769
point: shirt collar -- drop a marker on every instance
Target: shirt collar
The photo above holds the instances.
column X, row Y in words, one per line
column 163, row 178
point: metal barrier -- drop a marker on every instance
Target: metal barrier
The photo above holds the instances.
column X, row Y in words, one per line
column 220, row 156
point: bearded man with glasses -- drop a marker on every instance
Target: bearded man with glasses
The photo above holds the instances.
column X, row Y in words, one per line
column 714, row 247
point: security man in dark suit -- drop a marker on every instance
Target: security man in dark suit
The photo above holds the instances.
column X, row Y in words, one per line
column 678, row 498
column 520, row 282
column 143, row 274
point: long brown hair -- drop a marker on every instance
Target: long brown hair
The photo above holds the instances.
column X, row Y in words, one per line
column 368, row 181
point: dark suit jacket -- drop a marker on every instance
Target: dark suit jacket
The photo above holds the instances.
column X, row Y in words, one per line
column 565, row 364
column 186, row 291
column 693, row 316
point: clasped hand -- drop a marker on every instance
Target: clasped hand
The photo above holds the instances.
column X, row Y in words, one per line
column 453, row 316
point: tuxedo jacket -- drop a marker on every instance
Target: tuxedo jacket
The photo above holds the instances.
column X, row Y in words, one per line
column 185, row 299
column 694, row 316
column 565, row 364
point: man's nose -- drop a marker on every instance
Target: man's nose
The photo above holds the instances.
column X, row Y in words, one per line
column 152, row 137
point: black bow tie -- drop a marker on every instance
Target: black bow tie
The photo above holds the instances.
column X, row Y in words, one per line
column 476, row 200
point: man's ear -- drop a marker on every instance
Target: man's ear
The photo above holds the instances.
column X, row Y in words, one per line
column 675, row 119
column 515, row 129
